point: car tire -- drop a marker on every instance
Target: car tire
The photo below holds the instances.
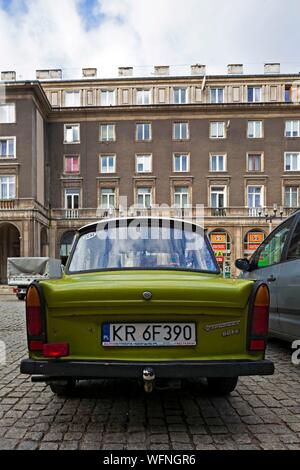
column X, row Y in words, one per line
column 21, row 296
column 221, row 385
column 63, row 388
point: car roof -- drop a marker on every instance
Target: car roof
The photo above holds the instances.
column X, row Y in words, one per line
column 115, row 219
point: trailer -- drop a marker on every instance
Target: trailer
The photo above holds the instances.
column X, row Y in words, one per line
column 21, row 272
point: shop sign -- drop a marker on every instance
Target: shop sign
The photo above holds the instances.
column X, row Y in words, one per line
column 255, row 237
column 219, row 246
column 252, row 247
column 218, row 238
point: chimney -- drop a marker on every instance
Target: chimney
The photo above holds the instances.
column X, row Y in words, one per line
column 6, row 76
column 125, row 71
column 272, row 68
column 49, row 74
column 89, row 73
column 235, row 69
column 161, row 70
column 198, row 69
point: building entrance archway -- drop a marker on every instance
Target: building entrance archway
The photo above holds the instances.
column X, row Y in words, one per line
column 9, row 247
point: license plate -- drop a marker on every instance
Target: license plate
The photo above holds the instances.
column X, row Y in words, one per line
column 148, row 334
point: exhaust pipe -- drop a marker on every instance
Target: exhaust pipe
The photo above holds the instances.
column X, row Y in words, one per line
column 149, row 379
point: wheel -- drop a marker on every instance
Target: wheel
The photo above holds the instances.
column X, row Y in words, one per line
column 21, row 296
column 63, row 387
column 221, row 385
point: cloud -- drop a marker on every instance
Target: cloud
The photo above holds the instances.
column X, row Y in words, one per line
column 71, row 34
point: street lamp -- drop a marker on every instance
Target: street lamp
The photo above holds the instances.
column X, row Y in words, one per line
column 270, row 217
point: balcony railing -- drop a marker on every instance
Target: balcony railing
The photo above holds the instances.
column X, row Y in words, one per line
column 218, row 212
column 256, row 212
column 91, row 214
column 72, row 213
column 8, row 204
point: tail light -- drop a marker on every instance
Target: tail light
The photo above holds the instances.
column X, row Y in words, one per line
column 34, row 319
column 259, row 319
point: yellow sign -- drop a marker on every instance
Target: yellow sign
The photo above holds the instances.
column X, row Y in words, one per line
column 218, row 237
column 255, row 237
column 219, row 253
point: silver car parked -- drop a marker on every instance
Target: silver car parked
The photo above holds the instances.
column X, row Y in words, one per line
column 277, row 262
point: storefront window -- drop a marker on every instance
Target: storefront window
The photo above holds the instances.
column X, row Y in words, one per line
column 221, row 244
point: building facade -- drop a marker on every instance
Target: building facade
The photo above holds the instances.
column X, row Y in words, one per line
column 70, row 151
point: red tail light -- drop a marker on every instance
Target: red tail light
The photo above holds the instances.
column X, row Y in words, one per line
column 260, row 319
column 34, row 319
column 56, row 349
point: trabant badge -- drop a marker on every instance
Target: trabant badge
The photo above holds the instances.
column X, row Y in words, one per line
column 147, row 295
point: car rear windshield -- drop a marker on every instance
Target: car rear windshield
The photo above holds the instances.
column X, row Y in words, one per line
column 142, row 245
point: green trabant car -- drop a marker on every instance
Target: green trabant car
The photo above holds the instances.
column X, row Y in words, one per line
column 144, row 298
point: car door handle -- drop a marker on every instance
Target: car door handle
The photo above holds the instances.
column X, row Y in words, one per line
column 271, row 278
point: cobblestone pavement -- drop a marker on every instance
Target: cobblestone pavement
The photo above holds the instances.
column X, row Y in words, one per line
column 263, row 413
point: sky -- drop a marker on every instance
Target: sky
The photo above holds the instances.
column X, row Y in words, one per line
column 72, row 34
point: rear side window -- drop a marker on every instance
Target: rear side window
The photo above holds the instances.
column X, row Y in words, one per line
column 294, row 248
column 270, row 252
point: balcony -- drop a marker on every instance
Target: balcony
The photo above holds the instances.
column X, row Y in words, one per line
column 197, row 213
column 71, row 213
column 218, row 212
column 256, row 212
column 8, row 204
column 22, row 204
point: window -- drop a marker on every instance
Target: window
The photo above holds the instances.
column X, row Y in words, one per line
column 294, row 248
column 217, row 162
column 107, row 164
column 270, row 251
column 143, row 97
column 144, row 197
column 217, row 196
column 108, row 198
column 180, row 96
column 254, row 94
column 72, row 133
column 108, row 97
column 217, row 130
column 180, row 130
column 291, row 196
column 107, row 132
column 254, row 162
column 66, row 244
column 7, row 147
column 143, row 163
column 7, row 113
column 181, row 163
column 292, row 128
column 174, row 247
column 288, row 92
column 143, row 131
column 72, row 98
column 181, row 196
column 7, row 187
column 255, row 196
column 291, row 94
column 72, row 198
column 292, row 161
column 217, row 95
column 72, row 164
column 255, row 130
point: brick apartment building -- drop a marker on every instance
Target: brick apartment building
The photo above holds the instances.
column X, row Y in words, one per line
column 67, row 147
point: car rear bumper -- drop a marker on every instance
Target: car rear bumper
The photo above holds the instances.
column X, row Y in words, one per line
column 121, row 369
